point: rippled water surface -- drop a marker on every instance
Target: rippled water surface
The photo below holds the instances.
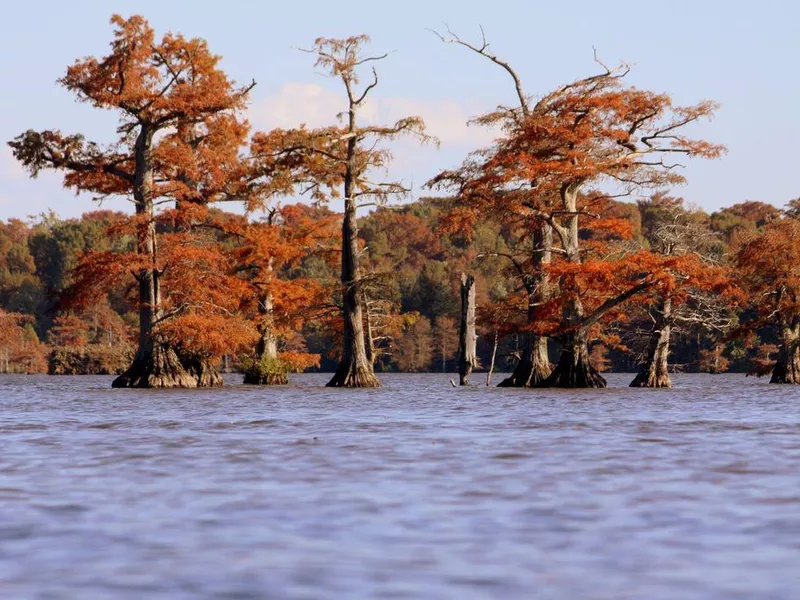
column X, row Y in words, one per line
column 415, row 490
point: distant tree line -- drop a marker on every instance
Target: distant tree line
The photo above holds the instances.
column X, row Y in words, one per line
column 415, row 299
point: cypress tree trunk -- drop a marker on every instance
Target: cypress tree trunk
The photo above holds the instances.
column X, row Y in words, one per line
column 203, row 370
column 653, row 373
column 355, row 368
column 534, row 365
column 155, row 364
column 467, row 357
column 787, row 368
column 574, row 370
column 494, row 355
column 266, row 370
column 369, row 339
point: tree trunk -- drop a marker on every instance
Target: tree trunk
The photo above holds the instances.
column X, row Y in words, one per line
column 534, row 365
column 204, row 371
column 653, row 372
column 787, row 368
column 574, row 370
column 156, row 366
column 266, row 370
column 155, row 363
column 369, row 336
column 467, row 358
column 494, row 355
column 355, row 368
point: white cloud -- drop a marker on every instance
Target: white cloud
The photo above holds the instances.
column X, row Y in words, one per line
column 446, row 119
column 316, row 106
column 296, row 103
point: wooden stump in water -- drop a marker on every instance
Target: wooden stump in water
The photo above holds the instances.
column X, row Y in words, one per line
column 467, row 357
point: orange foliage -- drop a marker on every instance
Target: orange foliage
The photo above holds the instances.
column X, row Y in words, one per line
column 770, row 265
column 559, row 161
column 180, row 139
column 20, row 348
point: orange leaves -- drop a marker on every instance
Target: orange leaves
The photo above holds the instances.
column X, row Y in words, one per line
column 505, row 315
column 98, row 272
column 68, row 330
column 153, row 82
column 770, row 264
column 297, row 362
column 592, row 134
column 20, row 349
column 277, row 302
column 459, row 219
column 209, row 334
column 198, row 284
column 173, row 87
column 603, row 285
column 587, row 133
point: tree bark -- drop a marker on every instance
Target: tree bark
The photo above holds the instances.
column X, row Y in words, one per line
column 574, row 370
column 369, row 339
column 156, row 366
column 653, row 373
column 204, row 371
column 155, row 363
column 494, row 355
column 534, row 365
column 355, row 368
column 787, row 368
column 266, row 353
column 467, row 357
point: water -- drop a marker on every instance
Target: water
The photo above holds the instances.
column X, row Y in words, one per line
column 415, row 490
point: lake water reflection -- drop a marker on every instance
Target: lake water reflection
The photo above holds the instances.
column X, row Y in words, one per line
column 414, row 490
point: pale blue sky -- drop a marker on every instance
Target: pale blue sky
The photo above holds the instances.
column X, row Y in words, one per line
column 744, row 55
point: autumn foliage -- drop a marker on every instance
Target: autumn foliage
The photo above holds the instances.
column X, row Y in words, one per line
column 544, row 218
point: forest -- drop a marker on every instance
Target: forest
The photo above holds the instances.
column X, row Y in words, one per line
column 584, row 256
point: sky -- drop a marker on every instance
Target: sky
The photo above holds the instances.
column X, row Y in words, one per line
column 742, row 54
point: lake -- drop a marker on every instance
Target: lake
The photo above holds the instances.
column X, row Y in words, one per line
column 413, row 490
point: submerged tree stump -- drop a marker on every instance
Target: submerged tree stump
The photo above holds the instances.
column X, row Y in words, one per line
column 467, row 338
column 653, row 373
